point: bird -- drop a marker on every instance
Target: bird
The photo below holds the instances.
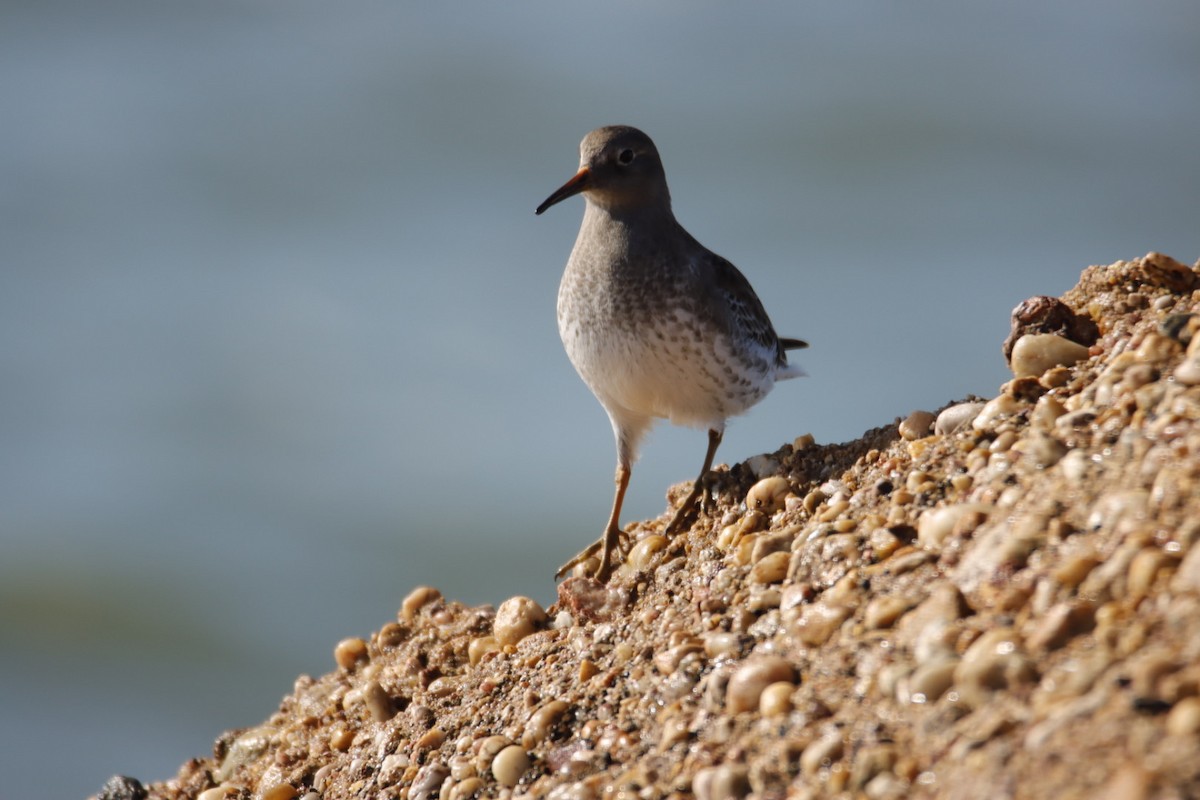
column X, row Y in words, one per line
column 656, row 325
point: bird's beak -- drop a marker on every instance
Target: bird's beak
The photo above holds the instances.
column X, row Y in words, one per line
column 571, row 187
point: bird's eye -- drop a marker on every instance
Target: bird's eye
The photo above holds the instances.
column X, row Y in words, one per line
column 625, row 156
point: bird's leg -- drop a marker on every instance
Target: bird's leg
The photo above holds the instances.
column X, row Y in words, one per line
column 688, row 507
column 613, row 539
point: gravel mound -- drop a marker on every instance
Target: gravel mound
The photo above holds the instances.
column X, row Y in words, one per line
column 997, row 599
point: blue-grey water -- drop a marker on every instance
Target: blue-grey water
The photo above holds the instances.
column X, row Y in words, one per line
column 277, row 336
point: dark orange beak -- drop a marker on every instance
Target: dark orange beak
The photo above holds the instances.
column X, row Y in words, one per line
column 571, row 187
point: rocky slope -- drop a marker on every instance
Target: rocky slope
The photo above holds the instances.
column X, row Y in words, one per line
column 1004, row 604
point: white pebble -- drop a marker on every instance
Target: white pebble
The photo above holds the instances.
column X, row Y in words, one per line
column 935, row 526
column 509, row 765
column 1035, row 353
column 956, row 417
column 993, row 410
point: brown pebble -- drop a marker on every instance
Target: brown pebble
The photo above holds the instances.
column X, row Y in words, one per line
column 642, row 554
column 349, row 652
column 542, row 721
column 776, row 699
column 771, row 569
column 917, row 425
column 280, row 791
column 431, row 739
column 768, row 494
column 377, row 702
column 748, row 681
column 480, row 647
column 416, row 600
column 516, row 618
column 340, row 739
column 1184, row 719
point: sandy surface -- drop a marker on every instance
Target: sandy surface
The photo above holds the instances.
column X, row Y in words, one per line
column 1010, row 608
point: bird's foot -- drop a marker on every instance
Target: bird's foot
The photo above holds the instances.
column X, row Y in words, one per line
column 698, row 501
column 613, row 539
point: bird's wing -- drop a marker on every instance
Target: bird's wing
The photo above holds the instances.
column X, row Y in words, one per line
column 746, row 315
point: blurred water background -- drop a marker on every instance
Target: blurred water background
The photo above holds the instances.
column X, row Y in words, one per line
column 277, row 332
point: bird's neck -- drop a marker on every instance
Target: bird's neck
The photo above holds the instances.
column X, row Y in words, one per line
column 625, row 223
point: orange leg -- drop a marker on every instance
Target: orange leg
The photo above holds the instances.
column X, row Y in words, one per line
column 688, row 508
column 613, row 536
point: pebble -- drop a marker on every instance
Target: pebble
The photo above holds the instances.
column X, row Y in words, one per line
column 929, row 681
column 776, row 699
column 916, row 425
column 280, row 791
column 428, row 781
column 993, row 410
column 721, row 644
column 1042, row 450
column 509, row 765
column 869, row 761
column 416, row 600
column 432, row 739
column 822, row 753
column 1062, row 622
column 994, row 661
column 956, row 417
column 768, row 494
column 378, row 704
column 466, row 788
column 542, row 721
column 771, row 569
column 349, row 652
column 818, row 622
column 486, row 750
column 934, row 527
column 221, row 792
column 726, row 782
column 746, row 685
column 516, row 618
column 882, row 612
column 642, row 554
column 1188, row 372
column 480, row 647
column 1184, row 719
column 340, row 739
column 1035, row 353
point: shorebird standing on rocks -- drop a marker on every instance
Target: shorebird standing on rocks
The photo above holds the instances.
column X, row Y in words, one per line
column 656, row 325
